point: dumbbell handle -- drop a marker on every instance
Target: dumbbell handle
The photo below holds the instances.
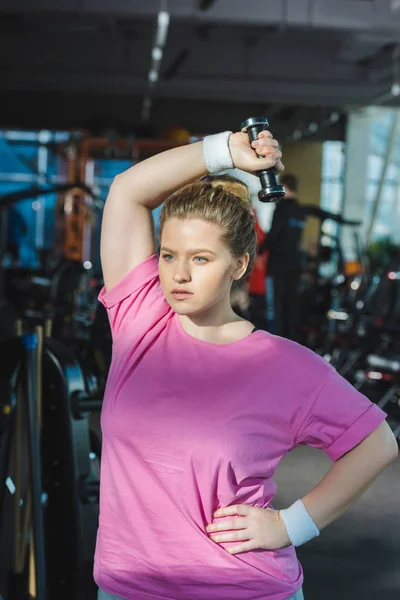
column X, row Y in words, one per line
column 270, row 191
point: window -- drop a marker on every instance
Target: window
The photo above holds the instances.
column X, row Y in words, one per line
column 332, row 181
column 381, row 128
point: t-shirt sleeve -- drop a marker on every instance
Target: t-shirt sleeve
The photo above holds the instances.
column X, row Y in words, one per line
column 340, row 418
column 136, row 299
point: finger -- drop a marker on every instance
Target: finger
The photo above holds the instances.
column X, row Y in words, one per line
column 265, row 143
column 265, row 149
column 264, row 162
column 265, row 133
column 270, row 152
column 227, row 525
column 235, row 509
column 279, row 166
column 246, row 547
column 233, row 536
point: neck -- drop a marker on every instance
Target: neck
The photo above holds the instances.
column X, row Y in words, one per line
column 209, row 325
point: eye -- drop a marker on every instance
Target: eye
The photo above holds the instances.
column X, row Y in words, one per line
column 201, row 258
column 167, row 256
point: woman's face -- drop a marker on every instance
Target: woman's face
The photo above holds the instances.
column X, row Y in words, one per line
column 194, row 259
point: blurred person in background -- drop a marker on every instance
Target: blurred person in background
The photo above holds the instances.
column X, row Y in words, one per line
column 284, row 260
column 256, row 284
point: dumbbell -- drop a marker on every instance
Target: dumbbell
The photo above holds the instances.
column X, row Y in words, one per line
column 270, row 191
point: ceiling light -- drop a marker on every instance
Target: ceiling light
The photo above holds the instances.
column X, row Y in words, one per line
column 163, row 18
column 156, row 53
column 153, row 76
column 162, row 29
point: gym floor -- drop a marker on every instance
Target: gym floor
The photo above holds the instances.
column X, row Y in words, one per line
column 357, row 556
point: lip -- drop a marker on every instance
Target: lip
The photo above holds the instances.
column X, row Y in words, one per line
column 182, row 292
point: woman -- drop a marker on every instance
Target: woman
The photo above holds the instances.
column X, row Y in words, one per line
column 199, row 409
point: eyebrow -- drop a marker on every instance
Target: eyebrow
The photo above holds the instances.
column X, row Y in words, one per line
column 190, row 251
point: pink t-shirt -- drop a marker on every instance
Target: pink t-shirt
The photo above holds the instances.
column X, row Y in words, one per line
column 190, row 426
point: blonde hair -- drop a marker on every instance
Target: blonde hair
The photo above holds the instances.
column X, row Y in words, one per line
column 223, row 200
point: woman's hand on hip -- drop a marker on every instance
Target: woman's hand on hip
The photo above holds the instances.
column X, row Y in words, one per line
column 254, row 529
column 244, row 154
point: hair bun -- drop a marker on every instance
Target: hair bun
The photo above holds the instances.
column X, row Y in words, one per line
column 230, row 185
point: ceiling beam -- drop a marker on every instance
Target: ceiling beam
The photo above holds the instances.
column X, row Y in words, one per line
column 48, row 110
column 231, row 90
column 376, row 16
column 176, row 64
column 206, row 4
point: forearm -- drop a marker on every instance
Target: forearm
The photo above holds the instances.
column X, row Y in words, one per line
column 351, row 476
column 149, row 182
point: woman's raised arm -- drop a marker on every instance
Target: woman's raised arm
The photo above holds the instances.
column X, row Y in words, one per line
column 127, row 235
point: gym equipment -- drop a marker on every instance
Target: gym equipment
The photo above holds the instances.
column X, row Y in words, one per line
column 74, row 218
column 270, row 191
column 59, row 289
column 30, row 344
column 377, row 375
column 326, row 284
column 362, row 340
column 70, row 482
column 329, row 249
column 49, row 474
column 22, row 496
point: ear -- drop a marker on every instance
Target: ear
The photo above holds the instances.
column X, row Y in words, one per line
column 241, row 265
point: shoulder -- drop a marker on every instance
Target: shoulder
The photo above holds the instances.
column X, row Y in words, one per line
column 293, row 359
column 291, row 348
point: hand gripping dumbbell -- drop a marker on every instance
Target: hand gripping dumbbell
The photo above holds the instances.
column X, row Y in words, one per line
column 270, row 191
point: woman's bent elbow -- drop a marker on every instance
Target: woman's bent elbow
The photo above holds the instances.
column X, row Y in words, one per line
column 117, row 180
column 383, row 439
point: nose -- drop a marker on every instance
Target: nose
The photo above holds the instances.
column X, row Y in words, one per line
column 182, row 273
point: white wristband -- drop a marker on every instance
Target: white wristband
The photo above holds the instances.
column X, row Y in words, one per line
column 217, row 156
column 300, row 526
